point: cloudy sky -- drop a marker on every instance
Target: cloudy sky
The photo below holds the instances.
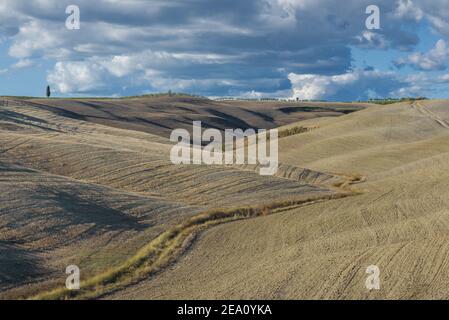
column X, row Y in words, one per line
column 311, row 49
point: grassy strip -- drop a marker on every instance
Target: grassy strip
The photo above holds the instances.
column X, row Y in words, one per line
column 166, row 248
column 292, row 131
column 281, row 134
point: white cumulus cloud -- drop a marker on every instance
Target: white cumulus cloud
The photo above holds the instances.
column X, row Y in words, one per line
column 69, row 77
column 350, row 86
column 434, row 59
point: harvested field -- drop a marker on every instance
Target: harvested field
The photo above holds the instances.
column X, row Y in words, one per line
column 355, row 189
column 400, row 221
column 161, row 115
column 78, row 192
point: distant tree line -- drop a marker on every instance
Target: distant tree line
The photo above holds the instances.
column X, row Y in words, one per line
column 394, row 100
column 268, row 99
column 165, row 94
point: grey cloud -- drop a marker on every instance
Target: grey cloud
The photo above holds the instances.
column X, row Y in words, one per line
column 252, row 39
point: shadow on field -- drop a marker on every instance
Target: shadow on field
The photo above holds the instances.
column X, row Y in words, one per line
column 18, row 118
column 76, row 210
column 17, row 265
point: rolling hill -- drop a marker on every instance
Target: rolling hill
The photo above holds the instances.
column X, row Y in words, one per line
column 89, row 182
column 399, row 222
column 78, row 192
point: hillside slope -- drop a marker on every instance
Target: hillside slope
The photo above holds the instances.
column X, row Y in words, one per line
column 321, row 251
column 77, row 192
column 160, row 115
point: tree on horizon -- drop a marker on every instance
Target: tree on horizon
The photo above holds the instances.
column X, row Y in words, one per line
column 48, row 92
